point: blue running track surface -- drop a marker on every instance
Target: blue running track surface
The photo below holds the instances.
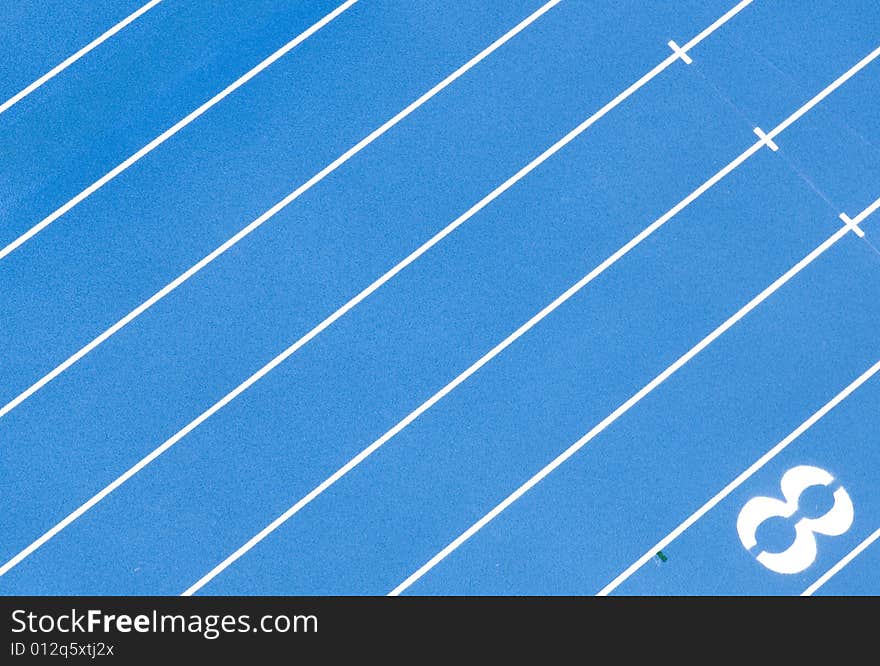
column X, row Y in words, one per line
column 687, row 308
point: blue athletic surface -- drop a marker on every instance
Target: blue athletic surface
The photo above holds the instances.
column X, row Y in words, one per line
column 582, row 525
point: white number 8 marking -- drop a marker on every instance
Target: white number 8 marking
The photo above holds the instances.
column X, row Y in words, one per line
column 802, row 553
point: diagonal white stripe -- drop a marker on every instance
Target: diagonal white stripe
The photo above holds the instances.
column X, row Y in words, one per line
column 836, row 569
column 861, row 217
column 67, row 62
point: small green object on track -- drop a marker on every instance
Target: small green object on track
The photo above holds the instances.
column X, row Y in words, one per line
column 662, row 557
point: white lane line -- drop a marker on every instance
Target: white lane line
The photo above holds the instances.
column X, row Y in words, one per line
column 870, row 210
column 326, row 323
column 362, row 295
column 849, row 557
column 620, row 411
column 839, row 81
column 766, row 140
column 738, row 481
column 171, row 131
column 57, row 69
column 314, row 180
column 717, row 23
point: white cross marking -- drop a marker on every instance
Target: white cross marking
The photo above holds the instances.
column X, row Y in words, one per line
column 852, row 224
column 766, row 139
column 680, row 52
